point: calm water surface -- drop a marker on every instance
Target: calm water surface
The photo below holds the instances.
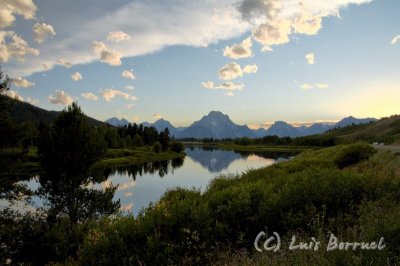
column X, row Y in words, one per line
column 136, row 190
column 139, row 185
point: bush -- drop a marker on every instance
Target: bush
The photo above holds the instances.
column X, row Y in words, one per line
column 353, row 154
column 156, row 147
column 177, row 147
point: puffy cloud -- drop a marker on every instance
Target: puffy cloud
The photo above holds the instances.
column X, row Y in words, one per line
column 129, row 88
column 310, row 58
column 128, row 74
column 233, row 70
column 223, row 86
column 230, row 71
column 12, row 45
column 266, row 49
column 273, row 33
column 107, row 55
column 9, row 8
column 395, row 40
column 275, row 20
column 306, row 86
column 321, row 85
column 23, row 83
column 154, row 27
column 127, row 207
column 41, row 31
column 237, row 51
column 89, row 96
column 157, row 116
column 14, row 95
column 63, row 63
column 60, row 97
column 250, row 69
column 118, row 36
column 109, row 94
column 76, row 76
column 32, row 101
column 307, row 23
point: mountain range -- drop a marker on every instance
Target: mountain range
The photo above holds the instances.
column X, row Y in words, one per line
column 219, row 126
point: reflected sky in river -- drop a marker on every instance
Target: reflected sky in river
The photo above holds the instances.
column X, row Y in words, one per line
column 199, row 167
column 138, row 185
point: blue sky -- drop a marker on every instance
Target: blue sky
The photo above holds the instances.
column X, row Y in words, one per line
column 179, row 63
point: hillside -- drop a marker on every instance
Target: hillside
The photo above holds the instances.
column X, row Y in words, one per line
column 22, row 112
column 385, row 130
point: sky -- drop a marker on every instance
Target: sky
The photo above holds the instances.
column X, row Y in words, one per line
column 258, row 61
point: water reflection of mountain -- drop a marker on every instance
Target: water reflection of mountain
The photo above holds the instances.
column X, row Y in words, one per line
column 216, row 160
column 212, row 159
column 162, row 168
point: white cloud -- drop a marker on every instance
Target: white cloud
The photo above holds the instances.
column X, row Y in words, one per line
column 230, row 71
column 109, row 94
column 9, row 8
column 237, row 51
column 266, row 49
column 89, row 96
column 310, row 57
column 127, row 207
column 22, row 83
column 118, row 36
column 395, row 40
column 306, row 86
column 275, row 20
column 229, row 93
column 130, row 106
column 321, row 85
column 157, row 116
column 273, row 33
column 135, row 118
column 107, row 55
column 129, row 88
column 32, row 101
column 60, row 97
column 128, row 74
column 14, row 95
column 60, row 62
column 41, row 31
column 13, row 46
column 250, row 69
column 233, row 70
column 223, row 86
column 76, row 76
column 155, row 26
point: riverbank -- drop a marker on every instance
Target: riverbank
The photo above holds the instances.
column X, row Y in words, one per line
column 126, row 157
column 27, row 164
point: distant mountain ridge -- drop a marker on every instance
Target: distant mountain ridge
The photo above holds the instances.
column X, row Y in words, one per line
column 219, row 126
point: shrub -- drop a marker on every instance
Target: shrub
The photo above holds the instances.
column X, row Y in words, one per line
column 156, row 147
column 177, row 146
column 353, row 154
